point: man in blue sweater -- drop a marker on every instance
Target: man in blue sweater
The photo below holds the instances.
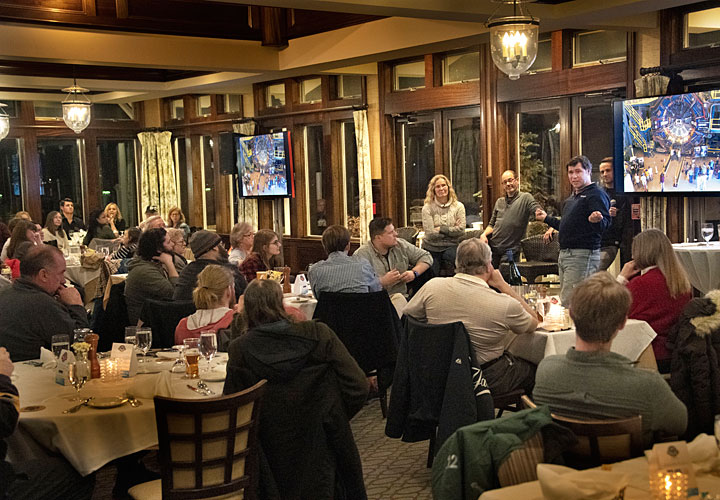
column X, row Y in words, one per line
column 585, row 216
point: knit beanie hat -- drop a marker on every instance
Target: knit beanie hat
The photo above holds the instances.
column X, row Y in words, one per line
column 202, row 241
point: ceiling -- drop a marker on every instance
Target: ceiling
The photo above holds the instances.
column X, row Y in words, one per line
column 132, row 50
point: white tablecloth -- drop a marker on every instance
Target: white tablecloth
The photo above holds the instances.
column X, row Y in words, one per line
column 305, row 304
column 631, row 341
column 702, row 263
column 638, row 489
column 91, row 437
column 81, row 275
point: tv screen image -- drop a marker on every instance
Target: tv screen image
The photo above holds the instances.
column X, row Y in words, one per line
column 264, row 164
column 668, row 144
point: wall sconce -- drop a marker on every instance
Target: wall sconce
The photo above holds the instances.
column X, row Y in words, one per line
column 76, row 108
column 513, row 40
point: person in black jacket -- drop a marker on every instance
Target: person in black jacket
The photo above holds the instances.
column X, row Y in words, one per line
column 50, row 478
column 314, row 388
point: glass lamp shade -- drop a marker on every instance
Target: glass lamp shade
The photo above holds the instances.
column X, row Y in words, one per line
column 76, row 109
column 514, row 44
column 4, row 126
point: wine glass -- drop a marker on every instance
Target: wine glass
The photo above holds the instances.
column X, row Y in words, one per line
column 130, row 335
column 78, row 374
column 208, row 345
column 143, row 340
column 707, row 231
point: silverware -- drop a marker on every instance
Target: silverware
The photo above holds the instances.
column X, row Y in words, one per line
column 77, row 407
column 204, row 387
column 132, row 401
column 199, row 391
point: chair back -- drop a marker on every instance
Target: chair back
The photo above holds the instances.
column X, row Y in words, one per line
column 521, row 465
column 408, row 233
column 98, row 243
column 208, row 447
column 111, row 321
column 163, row 317
column 536, row 250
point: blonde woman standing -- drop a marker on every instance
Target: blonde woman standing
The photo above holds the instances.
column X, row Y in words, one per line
column 443, row 219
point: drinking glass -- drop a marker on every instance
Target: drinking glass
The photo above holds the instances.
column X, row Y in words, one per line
column 78, row 374
column 58, row 343
column 130, row 335
column 143, row 340
column 79, row 334
column 191, row 355
column 208, row 345
column 707, row 231
column 717, row 429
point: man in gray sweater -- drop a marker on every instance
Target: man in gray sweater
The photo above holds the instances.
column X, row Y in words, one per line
column 509, row 220
column 591, row 381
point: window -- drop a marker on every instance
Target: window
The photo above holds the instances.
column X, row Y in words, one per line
column 351, row 179
column 702, row 28
column 593, row 47
column 60, row 173
column 206, row 155
column 543, row 61
column 177, row 109
column 232, row 103
column 418, row 160
column 102, row 111
column 11, row 108
column 349, row 86
column 204, row 107
column 117, row 177
column 48, row 109
column 180, row 148
column 311, row 90
column 595, row 143
column 540, row 159
column 458, row 68
column 409, row 76
column 318, row 183
column 10, row 178
column 275, row 95
column 465, row 168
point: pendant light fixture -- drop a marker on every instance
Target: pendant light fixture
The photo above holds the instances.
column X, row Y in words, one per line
column 76, row 108
column 4, row 122
column 513, row 39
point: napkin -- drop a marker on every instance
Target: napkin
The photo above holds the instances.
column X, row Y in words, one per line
column 563, row 483
column 47, row 358
column 704, row 454
column 148, row 386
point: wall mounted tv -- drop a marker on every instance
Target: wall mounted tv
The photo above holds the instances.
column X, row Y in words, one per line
column 265, row 166
column 668, row 144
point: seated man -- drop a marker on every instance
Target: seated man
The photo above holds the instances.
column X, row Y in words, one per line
column 340, row 273
column 208, row 249
column 395, row 261
column 590, row 381
column 488, row 316
column 38, row 306
column 50, row 478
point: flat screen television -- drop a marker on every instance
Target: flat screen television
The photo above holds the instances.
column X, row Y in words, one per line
column 668, row 144
column 265, row 166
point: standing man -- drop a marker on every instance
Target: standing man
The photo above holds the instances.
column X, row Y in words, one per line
column 509, row 220
column 394, row 260
column 620, row 213
column 585, row 217
column 70, row 223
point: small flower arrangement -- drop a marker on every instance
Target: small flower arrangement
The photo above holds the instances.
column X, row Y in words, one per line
column 80, row 347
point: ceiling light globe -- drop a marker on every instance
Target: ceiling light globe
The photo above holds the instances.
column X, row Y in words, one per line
column 4, row 126
column 514, row 44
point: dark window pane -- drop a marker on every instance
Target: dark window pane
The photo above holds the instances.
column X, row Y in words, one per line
column 209, row 171
column 204, row 106
column 419, row 166
column 275, row 95
column 181, row 165
column 540, row 163
column 318, row 181
column 349, row 86
column 48, row 109
column 108, row 112
column 465, row 164
column 117, row 177
column 594, row 46
column 702, row 28
column 311, row 90
column 459, row 68
column 59, row 174
column 409, row 75
column 352, row 185
column 10, row 181
column 596, row 143
column 543, row 61
column 177, row 109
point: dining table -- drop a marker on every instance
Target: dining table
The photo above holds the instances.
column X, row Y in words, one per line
column 701, row 261
column 305, row 303
column 91, row 437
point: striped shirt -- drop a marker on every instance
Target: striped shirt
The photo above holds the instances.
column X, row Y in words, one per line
column 343, row 274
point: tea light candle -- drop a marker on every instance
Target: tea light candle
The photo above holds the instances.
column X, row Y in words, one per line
column 670, row 485
column 109, row 370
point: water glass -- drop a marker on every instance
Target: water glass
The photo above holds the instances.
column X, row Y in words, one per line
column 79, row 334
column 58, row 343
column 78, row 374
column 191, row 355
column 707, row 230
column 130, row 335
column 143, row 339
column 208, row 345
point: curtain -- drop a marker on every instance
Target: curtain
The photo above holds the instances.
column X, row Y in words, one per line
column 362, row 138
column 247, row 208
column 651, row 85
column 158, row 185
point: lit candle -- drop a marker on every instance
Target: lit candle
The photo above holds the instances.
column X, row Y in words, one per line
column 505, row 44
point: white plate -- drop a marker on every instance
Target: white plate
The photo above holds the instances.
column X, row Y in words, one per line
column 214, row 375
column 103, row 403
column 152, row 366
column 167, row 354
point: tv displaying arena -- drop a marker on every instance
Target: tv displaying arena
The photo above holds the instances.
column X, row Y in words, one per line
column 668, row 144
column 264, row 165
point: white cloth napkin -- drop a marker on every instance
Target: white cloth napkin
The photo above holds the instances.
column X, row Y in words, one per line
column 47, row 358
column 148, row 386
column 563, row 483
column 704, row 454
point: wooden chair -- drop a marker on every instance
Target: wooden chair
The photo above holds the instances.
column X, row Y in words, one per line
column 521, row 465
column 208, row 448
column 510, row 401
column 163, row 317
column 408, row 233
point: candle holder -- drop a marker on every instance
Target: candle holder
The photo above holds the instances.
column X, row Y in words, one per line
column 109, row 370
column 669, row 485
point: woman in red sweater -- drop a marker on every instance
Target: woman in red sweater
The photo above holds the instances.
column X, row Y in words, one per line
column 659, row 286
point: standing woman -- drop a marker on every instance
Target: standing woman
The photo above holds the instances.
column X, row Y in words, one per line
column 176, row 219
column 443, row 219
column 265, row 254
column 53, row 231
column 241, row 242
column 659, row 286
column 98, row 227
column 115, row 218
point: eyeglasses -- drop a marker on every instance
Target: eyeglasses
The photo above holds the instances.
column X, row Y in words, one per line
column 180, row 242
column 249, row 235
column 508, row 181
column 276, row 242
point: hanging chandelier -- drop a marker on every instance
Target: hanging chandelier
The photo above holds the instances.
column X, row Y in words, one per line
column 4, row 122
column 76, row 108
column 513, row 39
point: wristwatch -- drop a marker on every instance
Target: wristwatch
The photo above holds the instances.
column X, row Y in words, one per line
column 415, row 273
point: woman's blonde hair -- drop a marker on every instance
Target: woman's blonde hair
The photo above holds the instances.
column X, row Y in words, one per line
column 430, row 195
column 211, row 285
column 238, row 232
column 118, row 214
column 653, row 248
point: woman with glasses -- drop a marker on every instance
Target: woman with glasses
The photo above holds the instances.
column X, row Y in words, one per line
column 177, row 239
column 241, row 242
column 176, row 219
column 265, row 254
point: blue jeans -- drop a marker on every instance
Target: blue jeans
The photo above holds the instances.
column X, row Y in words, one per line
column 575, row 264
column 447, row 255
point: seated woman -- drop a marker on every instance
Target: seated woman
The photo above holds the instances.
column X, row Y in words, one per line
column 128, row 244
column 241, row 242
column 659, row 286
column 151, row 274
column 23, row 236
column 314, row 388
column 213, row 297
column 53, row 231
column 176, row 219
column 177, row 238
column 98, row 227
column 114, row 218
column 443, row 219
column 264, row 256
